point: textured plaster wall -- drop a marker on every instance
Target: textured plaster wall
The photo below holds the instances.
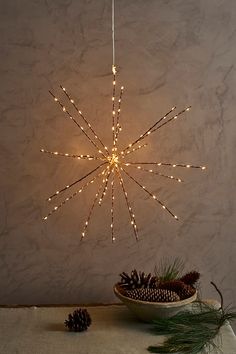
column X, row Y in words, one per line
column 168, row 53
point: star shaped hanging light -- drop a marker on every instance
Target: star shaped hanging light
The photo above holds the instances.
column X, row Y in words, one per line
column 113, row 164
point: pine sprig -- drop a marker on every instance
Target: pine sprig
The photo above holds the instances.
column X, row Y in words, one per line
column 189, row 332
column 168, row 270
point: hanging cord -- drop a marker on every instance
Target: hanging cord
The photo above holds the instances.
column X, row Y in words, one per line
column 113, row 37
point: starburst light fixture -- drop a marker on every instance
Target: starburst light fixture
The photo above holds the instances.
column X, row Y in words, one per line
column 113, row 164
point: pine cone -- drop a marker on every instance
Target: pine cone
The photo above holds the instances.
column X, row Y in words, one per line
column 152, row 295
column 190, row 278
column 187, row 292
column 79, row 321
column 179, row 287
column 137, row 280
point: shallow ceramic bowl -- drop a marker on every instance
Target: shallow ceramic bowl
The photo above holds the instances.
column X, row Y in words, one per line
column 149, row 311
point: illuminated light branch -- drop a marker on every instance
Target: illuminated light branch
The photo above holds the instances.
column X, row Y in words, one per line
column 172, row 118
column 123, row 154
column 131, row 214
column 154, row 172
column 75, row 121
column 148, row 132
column 83, row 117
column 57, row 207
column 74, row 183
column 166, row 164
column 118, row 127
column 150, row 194
column 90, row 212
column 56, row 153
column 113, row 106
column 112, row 209
column 105, row 186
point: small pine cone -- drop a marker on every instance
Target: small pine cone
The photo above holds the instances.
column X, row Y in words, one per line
column 173, row 285
column 137, row 280
column 179, row 287
column 79, row 321
column 152, row 295
column 187, row 292
column 190, row 278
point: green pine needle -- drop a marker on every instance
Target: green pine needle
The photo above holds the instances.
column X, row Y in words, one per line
column 190, row 332
column 169, row 270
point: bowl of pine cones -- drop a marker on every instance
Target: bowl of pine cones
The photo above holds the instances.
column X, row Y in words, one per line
column 151, row 297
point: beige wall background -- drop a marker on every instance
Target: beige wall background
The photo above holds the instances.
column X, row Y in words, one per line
column 168, row 53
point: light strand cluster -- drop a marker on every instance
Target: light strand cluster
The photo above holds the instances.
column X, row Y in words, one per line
column 77, row 124
column 113, row 162
column 83, row 117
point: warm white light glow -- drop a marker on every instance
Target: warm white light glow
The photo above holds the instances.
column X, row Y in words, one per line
column 113, row 161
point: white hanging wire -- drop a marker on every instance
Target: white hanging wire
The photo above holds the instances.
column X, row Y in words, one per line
column 113, row 36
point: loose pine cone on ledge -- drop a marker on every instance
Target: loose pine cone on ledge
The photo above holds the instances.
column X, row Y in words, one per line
column 79, row 321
